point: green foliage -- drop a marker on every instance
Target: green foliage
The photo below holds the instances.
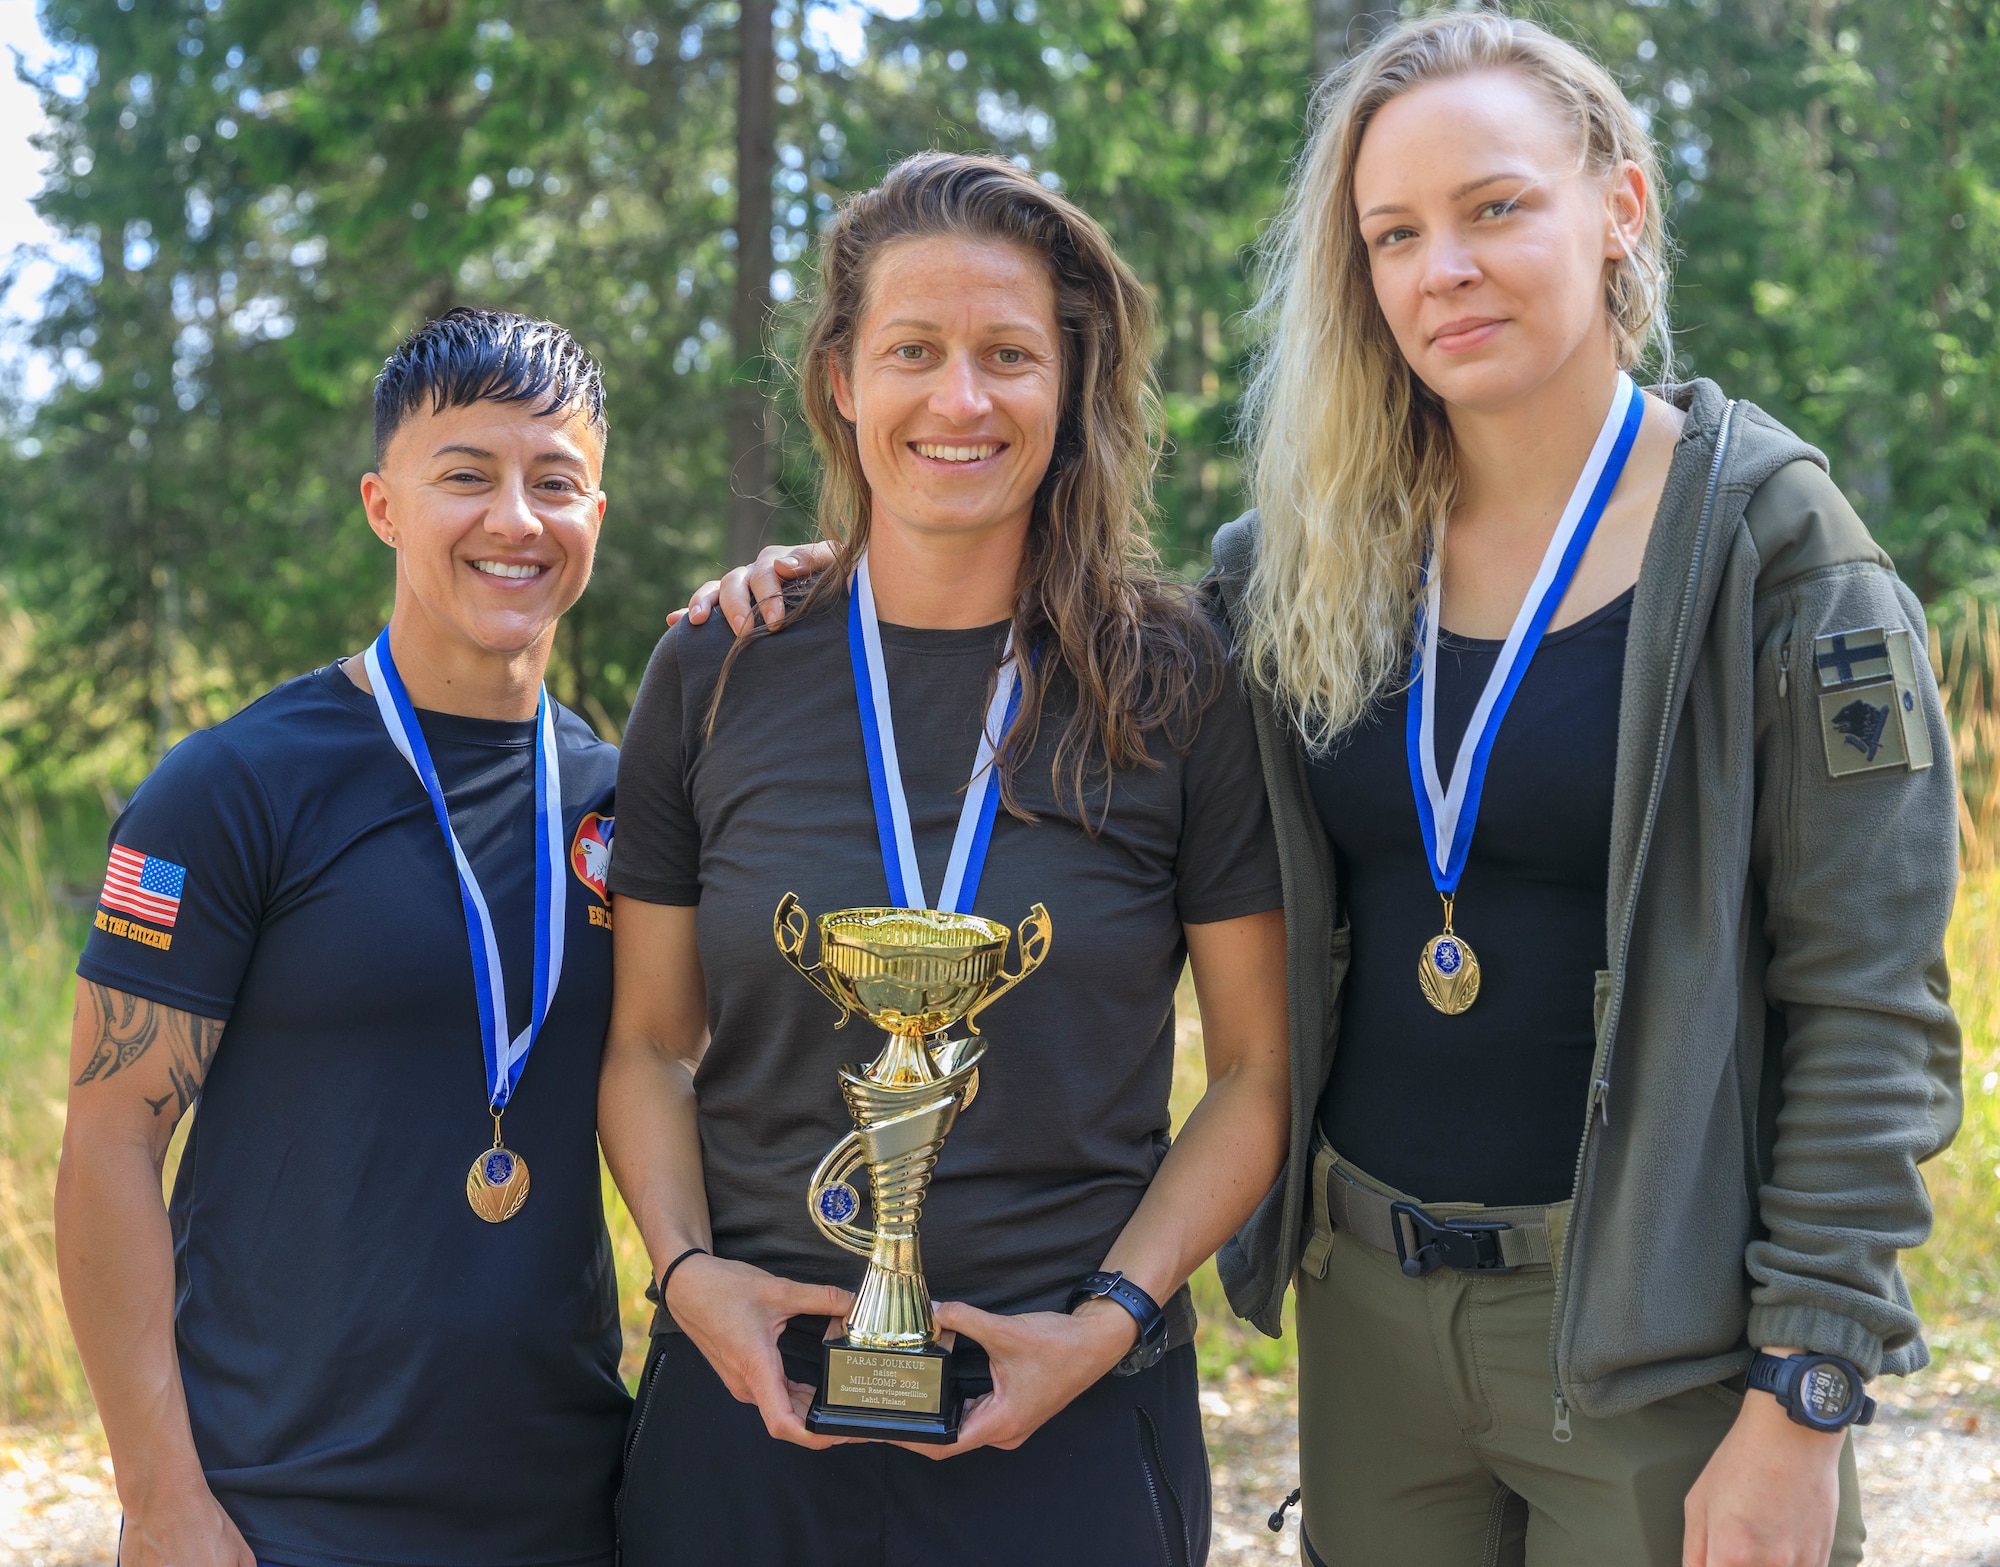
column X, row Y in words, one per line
column 1836, row 199
column 1173, row 122
column 276, row 192
column 269, row 193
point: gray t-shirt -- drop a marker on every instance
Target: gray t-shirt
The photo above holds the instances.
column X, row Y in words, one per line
column 1047, row 1165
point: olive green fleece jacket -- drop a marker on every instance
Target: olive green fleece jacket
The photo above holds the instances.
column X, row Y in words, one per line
column 1776, row 1050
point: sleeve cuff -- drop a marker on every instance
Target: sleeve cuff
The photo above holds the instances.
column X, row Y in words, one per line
column 152, row 990
column 1821, row 1332
column 685, row 895
column 1214, row 910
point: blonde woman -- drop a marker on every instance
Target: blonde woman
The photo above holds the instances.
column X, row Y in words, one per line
column 1617, row 825
column 1609, row 770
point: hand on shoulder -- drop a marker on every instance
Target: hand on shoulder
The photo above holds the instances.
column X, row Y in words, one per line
column 758, row 587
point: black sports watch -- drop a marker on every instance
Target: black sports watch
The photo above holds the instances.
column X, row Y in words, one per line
column 1146, row 1311
column 1820, row 1392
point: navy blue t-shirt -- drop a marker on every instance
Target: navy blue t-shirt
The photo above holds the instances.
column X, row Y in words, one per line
column 375, row 1374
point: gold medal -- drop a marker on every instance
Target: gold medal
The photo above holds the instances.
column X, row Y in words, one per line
column 497, row 1183
column 1448, row 807
column 1448, row 970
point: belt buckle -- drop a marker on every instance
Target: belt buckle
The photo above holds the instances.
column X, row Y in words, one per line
column 1463, row 1245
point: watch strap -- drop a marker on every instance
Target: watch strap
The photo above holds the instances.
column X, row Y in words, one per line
column 1771, row 1374
column 1146, row 1311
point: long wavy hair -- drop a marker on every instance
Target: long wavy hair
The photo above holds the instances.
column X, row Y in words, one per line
column 1121, row 640
column 1352, row 462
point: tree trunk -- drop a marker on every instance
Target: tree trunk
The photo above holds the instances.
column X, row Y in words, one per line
column 1344, row 27
column 752, row 449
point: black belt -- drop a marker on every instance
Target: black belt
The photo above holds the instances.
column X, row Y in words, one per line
column 1475, row 1240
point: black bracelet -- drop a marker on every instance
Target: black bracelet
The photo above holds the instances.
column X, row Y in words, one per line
column 657, row 1293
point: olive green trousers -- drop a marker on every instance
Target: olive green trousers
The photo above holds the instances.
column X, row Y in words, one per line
column 1427, row 1431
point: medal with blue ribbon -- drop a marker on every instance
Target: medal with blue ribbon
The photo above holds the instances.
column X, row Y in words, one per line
column 885, row 774
column 1447, row 969
column 497, row 1184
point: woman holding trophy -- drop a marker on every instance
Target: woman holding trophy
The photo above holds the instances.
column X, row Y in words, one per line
column 993, row 706
column 1617, row 822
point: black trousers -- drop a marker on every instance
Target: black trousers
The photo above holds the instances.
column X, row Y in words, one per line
column 1118, row 1479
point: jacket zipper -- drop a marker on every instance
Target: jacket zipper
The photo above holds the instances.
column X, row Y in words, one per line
column 1600, row 1091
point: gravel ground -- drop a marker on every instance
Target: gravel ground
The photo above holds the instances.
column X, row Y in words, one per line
column 57, row 1504
column 1930, row 1475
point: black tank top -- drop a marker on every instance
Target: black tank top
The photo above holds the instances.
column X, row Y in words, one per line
column 1487, row 1106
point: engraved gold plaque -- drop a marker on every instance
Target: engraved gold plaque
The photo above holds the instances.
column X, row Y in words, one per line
column 884, row 1379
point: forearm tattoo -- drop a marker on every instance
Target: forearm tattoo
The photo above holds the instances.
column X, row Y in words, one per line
column 128, row 1026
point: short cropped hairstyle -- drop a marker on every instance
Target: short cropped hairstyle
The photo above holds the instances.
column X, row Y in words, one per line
column 469, row 356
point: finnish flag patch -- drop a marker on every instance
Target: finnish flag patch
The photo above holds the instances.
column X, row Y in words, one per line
column 1871, row 710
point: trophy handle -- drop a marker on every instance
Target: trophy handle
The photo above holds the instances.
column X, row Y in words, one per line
column 788, row 928
column 841, row 1162
column 1033, row 940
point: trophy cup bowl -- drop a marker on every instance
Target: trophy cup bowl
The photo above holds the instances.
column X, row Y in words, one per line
column 913, row 973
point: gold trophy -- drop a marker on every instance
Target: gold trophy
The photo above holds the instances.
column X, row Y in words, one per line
column 913, row 973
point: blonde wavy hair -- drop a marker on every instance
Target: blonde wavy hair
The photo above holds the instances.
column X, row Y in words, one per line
column 1352, row 463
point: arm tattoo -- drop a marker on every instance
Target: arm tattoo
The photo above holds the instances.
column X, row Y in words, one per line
column 128, row 1026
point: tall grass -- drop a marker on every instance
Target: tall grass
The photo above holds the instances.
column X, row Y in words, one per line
column 1955, row 1279
column 1969, row 672
column 39, row 1374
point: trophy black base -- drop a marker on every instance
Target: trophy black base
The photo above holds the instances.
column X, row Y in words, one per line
column 886, row 1395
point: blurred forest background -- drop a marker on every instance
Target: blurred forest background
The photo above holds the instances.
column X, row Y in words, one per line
column 255, row 199
column 259, row 197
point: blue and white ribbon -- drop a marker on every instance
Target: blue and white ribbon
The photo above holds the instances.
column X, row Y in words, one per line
column 1447, row 813
column 885, row 774
column 505, row 1058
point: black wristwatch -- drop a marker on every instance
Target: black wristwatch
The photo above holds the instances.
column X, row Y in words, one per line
column 1820, row 1392
column 1146, row 1311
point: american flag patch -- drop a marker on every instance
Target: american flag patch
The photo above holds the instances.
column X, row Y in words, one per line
column 145, row 885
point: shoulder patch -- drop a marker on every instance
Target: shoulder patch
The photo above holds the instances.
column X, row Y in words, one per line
column 1871, row 711
column 145, row 886
column 590, row 854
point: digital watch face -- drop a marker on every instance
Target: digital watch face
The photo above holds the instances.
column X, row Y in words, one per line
column 1826, row 1391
